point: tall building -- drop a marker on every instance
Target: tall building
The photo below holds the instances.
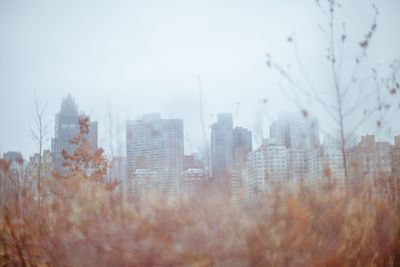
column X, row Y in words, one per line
column 296, row 133
column 47, row 164
column 332, row 160
column 222, row 151
column 242, row 146
column 194, row 178
column 66, row 128
column 155, row 146
column 396, row 157
column 266, row 166
column 369, row 159
column 300, row 136
column 242, row 143
column 17, row 164
column 194, row 181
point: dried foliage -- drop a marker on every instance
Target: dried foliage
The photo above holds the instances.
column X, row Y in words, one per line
column 84, row 224
column 86, row 161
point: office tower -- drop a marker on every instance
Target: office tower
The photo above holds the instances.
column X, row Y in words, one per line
column 222, row 152
column 47, row 164
column 266, row 166
column 229, row 149
column 192, row 161
column 268, row 163
column 13, row 156
column 396, row 157
column 154, row 147
column 296, row 133
column 242, row 143
column 66, row 128
column 369, row 159
column 194, row 178
column 194, row 181
column 17, row 165
column 332, row 160
column 300, row 136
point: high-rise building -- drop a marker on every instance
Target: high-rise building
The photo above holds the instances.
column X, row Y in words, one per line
column 275, row 162
column 268, row 163
column 155, row 146
column 66, row 128
column 17, row 164
column 222, row 150
column 300, row 136
column 229, row 149
column 266, row 166
column 192, row 161
column 242, row 146
column 194, row 178
column 194, row 181
column 369, row 159
column 296, row 133
column 396, row 157
column 242, row 143
column 47, row 164
column 384, row 159
column 332, row 160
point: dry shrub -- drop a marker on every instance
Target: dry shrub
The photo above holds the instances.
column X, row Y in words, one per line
column 84, row 224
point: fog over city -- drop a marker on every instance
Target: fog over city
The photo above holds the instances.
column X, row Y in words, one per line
column 200, row 133
column 121, row 59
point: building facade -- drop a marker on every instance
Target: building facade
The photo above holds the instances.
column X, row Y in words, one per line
column 222, row 153
column 66, row 128
column 155, row 145
column 369, row 159
column 396, row 157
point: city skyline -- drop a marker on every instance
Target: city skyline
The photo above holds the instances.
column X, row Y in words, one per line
column 270, row 132
column 155, row 147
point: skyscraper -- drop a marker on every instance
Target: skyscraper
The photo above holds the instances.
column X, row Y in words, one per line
column 155, row 145
column 332, row 160
column 296, row 133
column 300, row 136
column 265, row 166
column 242, row 143
column 229, row 149
column 67, row 127
column 222, row 151
column 369, row 159
column 396, row 157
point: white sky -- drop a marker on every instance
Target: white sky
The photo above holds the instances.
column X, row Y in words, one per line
column 126, row 58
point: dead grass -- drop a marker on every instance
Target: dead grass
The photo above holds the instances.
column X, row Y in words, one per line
column 80, row 223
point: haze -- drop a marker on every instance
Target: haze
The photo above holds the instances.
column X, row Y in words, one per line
column 120, row 59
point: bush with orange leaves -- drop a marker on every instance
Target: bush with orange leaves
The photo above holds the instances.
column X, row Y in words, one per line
column 86, row 161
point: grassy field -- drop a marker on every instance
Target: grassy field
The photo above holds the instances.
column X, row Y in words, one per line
column 81, row 223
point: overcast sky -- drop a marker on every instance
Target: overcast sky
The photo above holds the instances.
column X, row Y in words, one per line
column 120, row 59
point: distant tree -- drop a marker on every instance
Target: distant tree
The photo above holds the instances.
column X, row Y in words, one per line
column 345, row 102
column 39, row 134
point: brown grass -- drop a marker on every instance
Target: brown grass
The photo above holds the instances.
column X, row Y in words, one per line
column 79, row 220
column 80, row 223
